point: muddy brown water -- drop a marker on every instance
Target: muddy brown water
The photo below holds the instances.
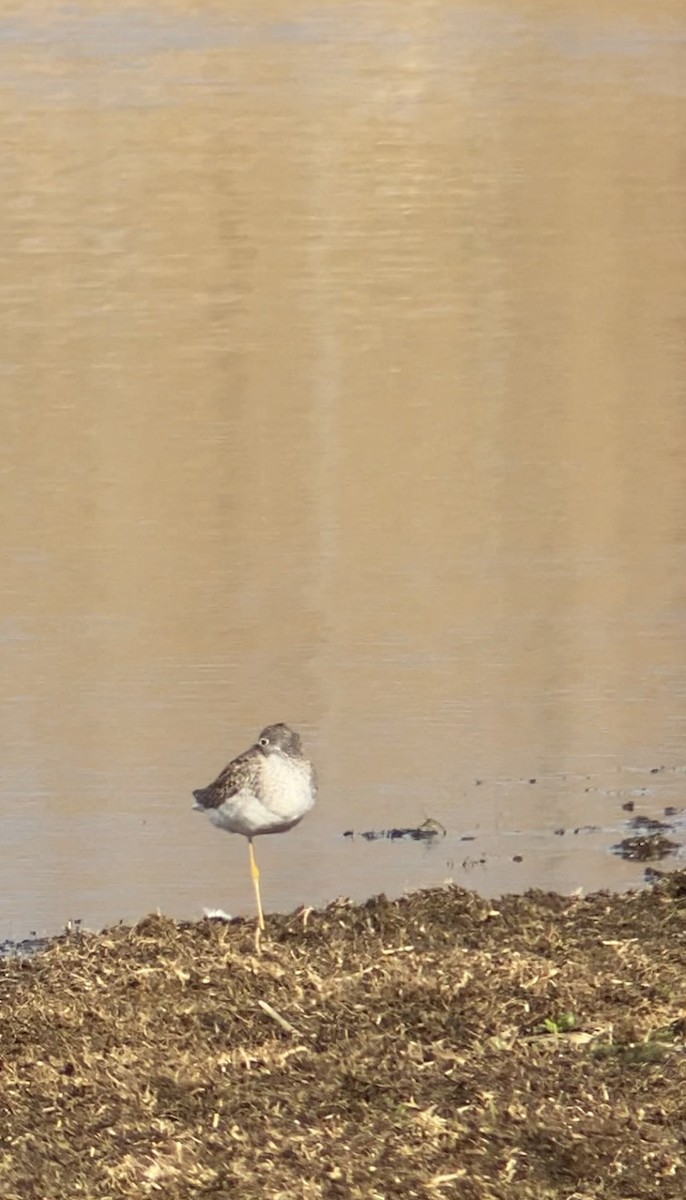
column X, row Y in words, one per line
column 343, row 382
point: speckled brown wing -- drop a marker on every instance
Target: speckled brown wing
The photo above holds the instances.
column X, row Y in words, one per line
column 237, row 775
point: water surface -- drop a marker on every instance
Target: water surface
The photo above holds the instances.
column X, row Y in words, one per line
column 343, row 384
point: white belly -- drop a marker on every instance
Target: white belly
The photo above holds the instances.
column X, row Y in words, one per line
column 287, row 791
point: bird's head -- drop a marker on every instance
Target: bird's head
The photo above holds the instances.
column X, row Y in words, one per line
column 279, row 737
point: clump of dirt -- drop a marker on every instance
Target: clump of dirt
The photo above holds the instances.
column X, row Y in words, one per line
column 440, row 1045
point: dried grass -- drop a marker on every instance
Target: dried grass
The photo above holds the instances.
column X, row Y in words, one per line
column 437, row 1046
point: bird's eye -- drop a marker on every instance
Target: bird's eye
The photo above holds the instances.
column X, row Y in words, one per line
column 264, row 741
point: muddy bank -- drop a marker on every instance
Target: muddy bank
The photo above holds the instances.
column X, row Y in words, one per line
column 439, row 1045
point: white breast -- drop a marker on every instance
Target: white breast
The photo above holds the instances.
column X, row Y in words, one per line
column 287, row 787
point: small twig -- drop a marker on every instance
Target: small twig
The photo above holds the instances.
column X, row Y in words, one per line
column 271, row 1012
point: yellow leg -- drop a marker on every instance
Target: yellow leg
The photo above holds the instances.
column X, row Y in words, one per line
column 256, row 884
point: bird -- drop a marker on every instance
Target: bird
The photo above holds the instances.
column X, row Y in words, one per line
column 267, row 789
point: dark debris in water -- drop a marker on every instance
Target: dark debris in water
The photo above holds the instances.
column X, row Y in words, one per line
column 650, row 824
column 644, row 847
column 583, row 829
column 439, row 1045
column 428, row 831
column 34, row 943
column 24, row 948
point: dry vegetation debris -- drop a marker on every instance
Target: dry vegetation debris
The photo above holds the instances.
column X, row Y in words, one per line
column 441, row 1045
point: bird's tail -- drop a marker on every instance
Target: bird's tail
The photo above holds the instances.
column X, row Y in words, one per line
column 199, row 796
